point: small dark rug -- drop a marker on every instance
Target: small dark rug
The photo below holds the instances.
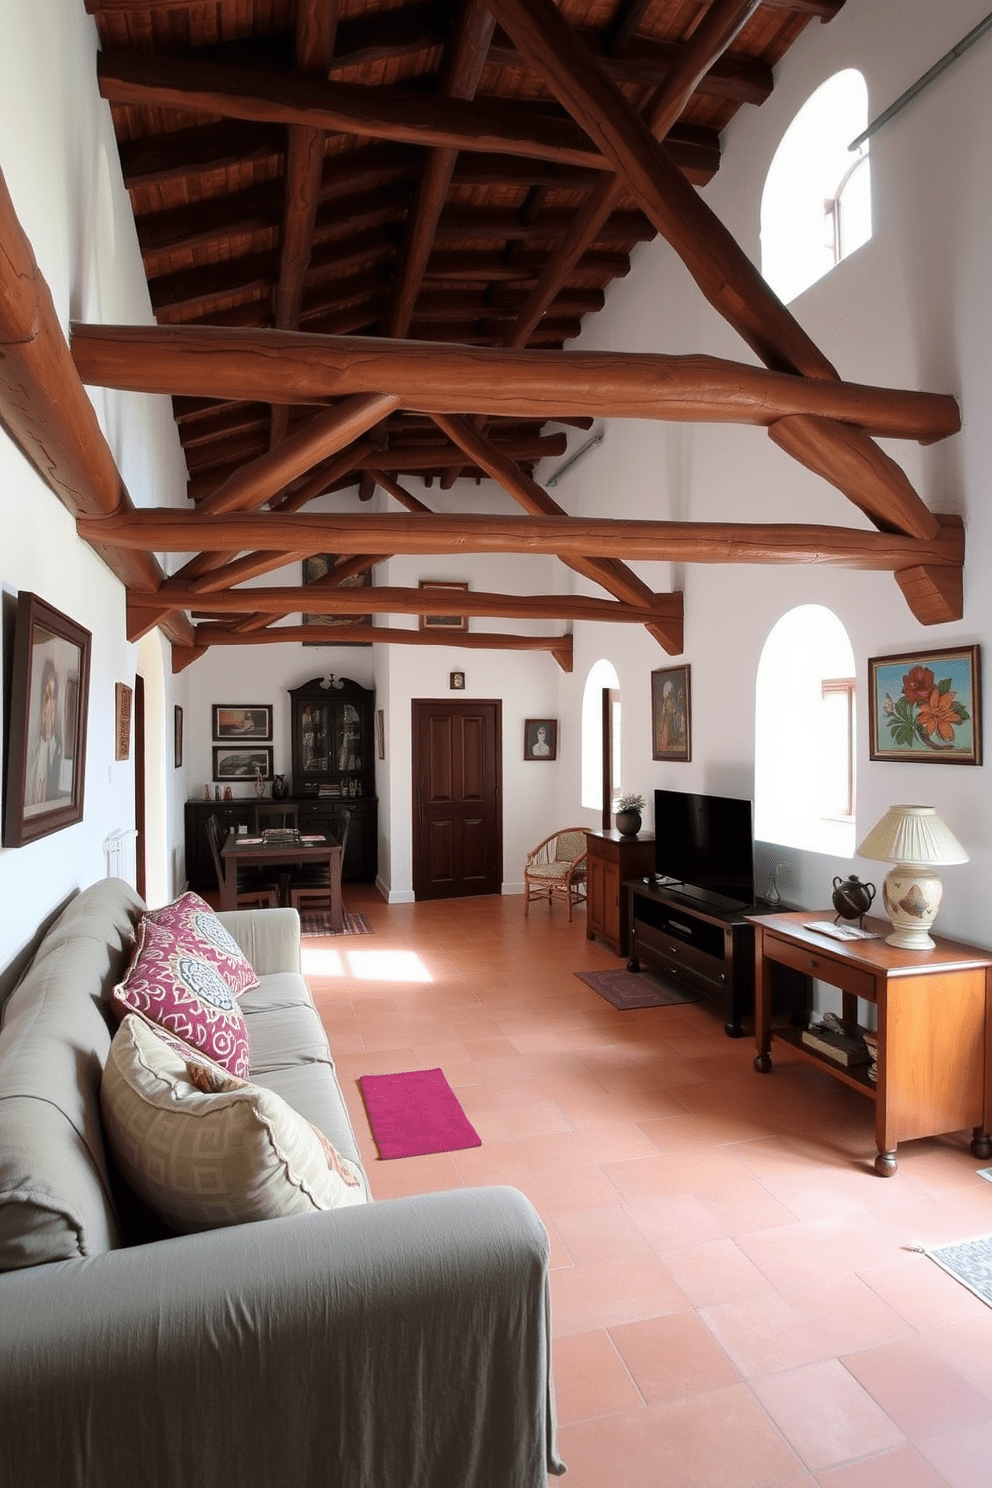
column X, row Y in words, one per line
column 318, row 922
column 634, row 989
column 414, row 1113
column 968, row 1261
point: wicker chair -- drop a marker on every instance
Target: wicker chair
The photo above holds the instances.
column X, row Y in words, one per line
column 556, row 869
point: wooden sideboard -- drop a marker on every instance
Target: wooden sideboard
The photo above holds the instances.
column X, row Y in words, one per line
column 612, row 859
column 315, row 814
column 934, row 1012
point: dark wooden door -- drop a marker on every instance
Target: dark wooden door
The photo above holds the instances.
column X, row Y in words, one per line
column 457, row 784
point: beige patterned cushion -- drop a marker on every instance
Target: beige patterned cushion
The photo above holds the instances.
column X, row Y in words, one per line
column 201, row 1159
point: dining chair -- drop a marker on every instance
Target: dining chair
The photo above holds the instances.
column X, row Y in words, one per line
column 317, row 887
column 269, row 814
column 253, row 889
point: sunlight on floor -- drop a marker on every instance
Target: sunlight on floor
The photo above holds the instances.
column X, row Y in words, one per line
column 375, row 966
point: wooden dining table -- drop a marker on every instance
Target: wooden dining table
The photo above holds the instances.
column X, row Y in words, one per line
column 274, row 852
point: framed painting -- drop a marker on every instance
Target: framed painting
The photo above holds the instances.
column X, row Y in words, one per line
column 443, row 622
column 540, row 739
column 671, row 716
column 315, row 571
column 122, row 721
column 926, row 707
column 177, row 737
column 233, row 763
column 46, row 757
column 253, row 721
column 380, row 734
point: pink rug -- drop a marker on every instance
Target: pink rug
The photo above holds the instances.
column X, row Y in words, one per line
column 415, row 1113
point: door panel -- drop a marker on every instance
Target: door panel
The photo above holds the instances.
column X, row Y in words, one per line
column 457, row 824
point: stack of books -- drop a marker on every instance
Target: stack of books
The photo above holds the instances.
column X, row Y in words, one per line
column 836, row 1042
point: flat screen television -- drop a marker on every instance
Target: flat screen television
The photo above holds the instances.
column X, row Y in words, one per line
column 705, row 844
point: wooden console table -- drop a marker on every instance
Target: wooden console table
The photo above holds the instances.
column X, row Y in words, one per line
column 934, row 1026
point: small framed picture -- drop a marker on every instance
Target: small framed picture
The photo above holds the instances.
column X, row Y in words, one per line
column 541, row 739
column 254, row 721
column 380, row 734
column 177, row 737
column 671, row 718
column 232, row 763
column 456, row 681
column 446, row 621
column 926, row 707
column 122, row 721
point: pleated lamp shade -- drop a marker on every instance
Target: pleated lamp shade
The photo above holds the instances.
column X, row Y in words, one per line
column 916, row 839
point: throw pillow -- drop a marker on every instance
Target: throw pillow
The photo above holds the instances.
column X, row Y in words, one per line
column 193, row 924
column 204, row 1159
column 171, row 983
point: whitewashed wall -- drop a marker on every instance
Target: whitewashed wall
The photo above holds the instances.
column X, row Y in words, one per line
column 911, row 309
column 59, row 160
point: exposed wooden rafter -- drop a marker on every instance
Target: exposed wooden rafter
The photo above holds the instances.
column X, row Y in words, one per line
column 368, row 239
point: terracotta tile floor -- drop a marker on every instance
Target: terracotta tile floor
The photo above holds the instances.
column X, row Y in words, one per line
column 736, row 1300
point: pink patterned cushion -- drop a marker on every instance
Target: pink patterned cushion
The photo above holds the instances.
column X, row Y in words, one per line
column 175, row 980
column 192, row 920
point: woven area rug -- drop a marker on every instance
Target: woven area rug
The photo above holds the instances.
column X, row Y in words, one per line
column 968, row 1261
column 318, row 922
column 415, row 1113
column 634, row 989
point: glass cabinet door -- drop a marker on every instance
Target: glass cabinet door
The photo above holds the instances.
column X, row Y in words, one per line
column 313, row 744
column 332, row 739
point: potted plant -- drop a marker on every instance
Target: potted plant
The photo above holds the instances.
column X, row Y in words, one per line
column 628, row 815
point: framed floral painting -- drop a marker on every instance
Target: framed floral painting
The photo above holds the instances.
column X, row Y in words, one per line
column 926, row 707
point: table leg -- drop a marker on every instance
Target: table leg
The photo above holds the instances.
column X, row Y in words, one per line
column 762, row 1004
column 885, row 1163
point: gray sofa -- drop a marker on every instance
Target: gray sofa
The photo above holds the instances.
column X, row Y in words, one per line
column 395, row 1343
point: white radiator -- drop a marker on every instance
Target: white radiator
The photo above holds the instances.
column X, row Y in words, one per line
column 121, row 847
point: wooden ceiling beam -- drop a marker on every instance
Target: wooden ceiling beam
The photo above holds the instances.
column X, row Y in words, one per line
column 190, row 85
column 560, row 647
column 325, row 435
column 45, row 410
column 615, row 577
column 724, row 20
column 722, row 271
column 720, row 268
column 293, row 367
column 162, row 530
column 464, row 59
column 385, row 600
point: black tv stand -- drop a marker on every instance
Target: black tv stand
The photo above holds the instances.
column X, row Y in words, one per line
column 705, row 945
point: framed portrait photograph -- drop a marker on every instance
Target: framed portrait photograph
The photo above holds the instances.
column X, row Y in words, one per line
column 671, row 716
column 233, row 763
column 316, row 569
column 926, row 707
column 177, row 738
column 446, row 621
column 251, row 721
column 540, row 738
column 122, row 721
column 46, row 759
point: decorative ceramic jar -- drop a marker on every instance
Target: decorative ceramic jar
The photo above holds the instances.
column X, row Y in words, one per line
column 852, row 898
column 280, row 790
column 628, row 822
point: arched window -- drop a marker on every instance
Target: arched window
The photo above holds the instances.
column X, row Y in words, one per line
column 600, row 729
column 816, row 205
column 804, row 734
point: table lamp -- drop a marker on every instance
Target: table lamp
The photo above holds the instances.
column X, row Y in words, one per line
column 915, row 839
